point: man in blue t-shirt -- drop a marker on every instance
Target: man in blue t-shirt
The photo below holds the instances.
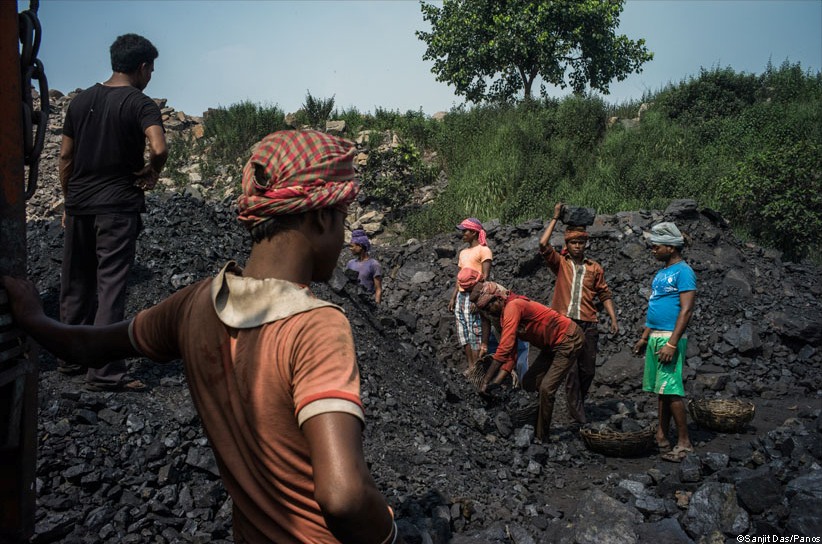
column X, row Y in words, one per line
column 670, row 307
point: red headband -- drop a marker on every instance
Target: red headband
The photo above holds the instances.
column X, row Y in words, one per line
column 575, row 235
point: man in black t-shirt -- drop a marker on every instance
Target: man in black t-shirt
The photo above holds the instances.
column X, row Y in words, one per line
column 103, row 176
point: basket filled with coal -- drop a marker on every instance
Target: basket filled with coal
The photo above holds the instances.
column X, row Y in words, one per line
column 722, row 415
column 608, row 441
column 619, row 430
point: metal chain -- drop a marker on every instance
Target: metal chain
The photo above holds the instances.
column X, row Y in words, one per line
column 31, row 69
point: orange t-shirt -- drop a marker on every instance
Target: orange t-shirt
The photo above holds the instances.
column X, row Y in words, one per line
column 473, row 257
column 252, row 388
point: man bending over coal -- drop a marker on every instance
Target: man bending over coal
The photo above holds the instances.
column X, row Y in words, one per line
column 558, row 337
column 271, row 368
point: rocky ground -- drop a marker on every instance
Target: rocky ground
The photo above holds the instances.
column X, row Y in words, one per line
column 135, row 467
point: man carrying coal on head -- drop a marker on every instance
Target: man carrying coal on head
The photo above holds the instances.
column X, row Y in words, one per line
column 557, row 336
column 272, row 369
column 580, row 285
column 103, row 177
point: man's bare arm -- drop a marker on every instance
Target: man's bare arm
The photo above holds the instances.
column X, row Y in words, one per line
column 545, row 239
column 157, row 147
column 686, row 310
column 352, row 506
column 80, row 344
column 158, row 155
column 377, row 289
column 65, row 164
column 611, row 311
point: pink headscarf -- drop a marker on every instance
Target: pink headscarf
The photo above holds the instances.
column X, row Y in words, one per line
column 472, row 223
column 294, row 171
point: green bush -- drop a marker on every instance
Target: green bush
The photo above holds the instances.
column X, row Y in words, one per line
column 582, row 120
column 789, row 83
column 230, row 132
column 715, row 93
column 354, row 120
column 391, row 174
column 315, row 111
column 179, row 156
column 627, row 109
column 776, row 195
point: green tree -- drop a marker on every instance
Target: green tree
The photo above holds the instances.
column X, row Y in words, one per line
column 490, row 50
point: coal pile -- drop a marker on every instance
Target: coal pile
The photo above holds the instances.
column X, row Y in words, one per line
column 136, row 467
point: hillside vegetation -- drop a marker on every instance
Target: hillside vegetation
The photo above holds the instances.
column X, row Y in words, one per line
column 747, row 145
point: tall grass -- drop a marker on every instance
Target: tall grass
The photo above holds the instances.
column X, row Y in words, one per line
column 710, row 137
column 514, row 162
column 230, row 132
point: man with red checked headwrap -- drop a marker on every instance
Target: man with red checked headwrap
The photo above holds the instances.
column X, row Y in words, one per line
column 579, row 287
column 271, row 368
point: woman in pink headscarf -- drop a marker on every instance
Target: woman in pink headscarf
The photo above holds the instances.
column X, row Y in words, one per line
column 477, row 257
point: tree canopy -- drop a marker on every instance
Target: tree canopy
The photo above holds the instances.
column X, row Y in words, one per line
column 490, row 50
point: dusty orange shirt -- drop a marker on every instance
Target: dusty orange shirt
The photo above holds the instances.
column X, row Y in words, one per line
column 527, row 320
column 252, row 388
column 473, row 257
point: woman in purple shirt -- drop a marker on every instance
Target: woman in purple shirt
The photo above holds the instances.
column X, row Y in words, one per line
column 369, row 270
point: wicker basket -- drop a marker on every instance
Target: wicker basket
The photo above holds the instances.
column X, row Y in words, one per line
column 477, row 374
column 722, row 415
column 524, row 415
column 619, row 444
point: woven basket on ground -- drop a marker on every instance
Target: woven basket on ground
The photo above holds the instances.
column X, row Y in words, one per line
column 524, row 415
column 618, row 444
column 722, row 415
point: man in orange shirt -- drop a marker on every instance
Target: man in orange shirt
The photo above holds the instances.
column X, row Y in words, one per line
column 477, row 256
column 580, row 284
column 271, row 369
column 558, row 337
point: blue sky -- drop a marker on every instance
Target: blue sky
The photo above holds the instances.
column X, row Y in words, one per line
column 365, row 54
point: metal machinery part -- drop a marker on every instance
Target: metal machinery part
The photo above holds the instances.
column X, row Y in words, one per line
column 19, row 148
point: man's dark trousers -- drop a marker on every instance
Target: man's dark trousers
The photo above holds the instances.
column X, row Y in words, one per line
column 97, row 255
column 581, row 376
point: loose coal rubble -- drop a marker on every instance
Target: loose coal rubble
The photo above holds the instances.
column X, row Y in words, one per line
column 136, row 467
